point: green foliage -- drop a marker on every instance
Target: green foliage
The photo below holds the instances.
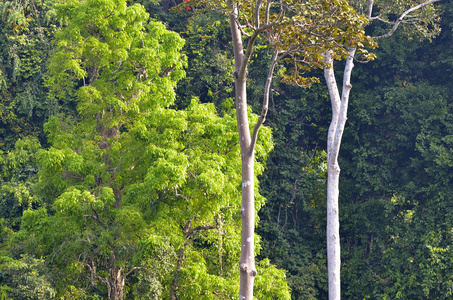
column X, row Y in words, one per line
column 275, row 289
column 27, row 28
column 185, row 185
column 402, row 237
column 24, row 278
column 132, row 187
column 128, row 180
column 384, row 155
column 294, row 184
column 210, row 62
column 18, row 167
column 110, row 57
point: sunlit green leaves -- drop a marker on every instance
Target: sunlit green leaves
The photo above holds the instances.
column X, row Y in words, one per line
column 119, row 60
column 275, row 288
column 127, row 173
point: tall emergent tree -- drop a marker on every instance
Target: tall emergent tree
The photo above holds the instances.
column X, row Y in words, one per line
column 298, row 33
column 421, row 17
column 140, row 198
column 109, row 61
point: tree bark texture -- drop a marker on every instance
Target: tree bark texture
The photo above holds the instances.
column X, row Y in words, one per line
column 116, row 283
column 339, row 116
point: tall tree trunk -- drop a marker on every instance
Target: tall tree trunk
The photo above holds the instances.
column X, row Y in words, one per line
column 247, row 260
column 247, row 142
column 339, row 116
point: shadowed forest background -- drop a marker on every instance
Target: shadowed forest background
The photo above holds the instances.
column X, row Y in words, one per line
column 122, row 180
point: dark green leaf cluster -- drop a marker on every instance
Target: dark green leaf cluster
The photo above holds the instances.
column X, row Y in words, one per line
column 26, row 30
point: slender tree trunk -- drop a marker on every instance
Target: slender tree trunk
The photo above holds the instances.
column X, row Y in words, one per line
column 247, row 143
column 247, row 260
column 339, row 116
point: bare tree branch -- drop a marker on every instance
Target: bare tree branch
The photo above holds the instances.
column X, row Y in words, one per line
column 401, row 19
column 257, row 12
column 294, row 191
column 370, row 8
column 131, row 270
column 265, row 106
column 199, row 229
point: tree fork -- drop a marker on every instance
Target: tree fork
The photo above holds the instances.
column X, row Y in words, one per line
column 335, row 134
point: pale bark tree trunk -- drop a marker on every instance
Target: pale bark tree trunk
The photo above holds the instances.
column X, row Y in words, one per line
column 247, row 144
column 247, row 260
column 339, row 116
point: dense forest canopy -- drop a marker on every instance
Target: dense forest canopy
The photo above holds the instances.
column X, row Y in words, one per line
column 121, row 171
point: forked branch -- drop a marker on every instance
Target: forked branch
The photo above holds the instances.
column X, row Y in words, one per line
column 401, row 18
column 265, row 106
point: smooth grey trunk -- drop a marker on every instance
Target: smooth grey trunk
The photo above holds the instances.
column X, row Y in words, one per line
column 339, row 116
column 247, row 144
column 247, row 260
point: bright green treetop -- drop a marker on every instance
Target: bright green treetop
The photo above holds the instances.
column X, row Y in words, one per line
column 138, row 195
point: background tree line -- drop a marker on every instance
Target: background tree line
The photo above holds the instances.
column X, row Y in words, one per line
column 166, row 220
